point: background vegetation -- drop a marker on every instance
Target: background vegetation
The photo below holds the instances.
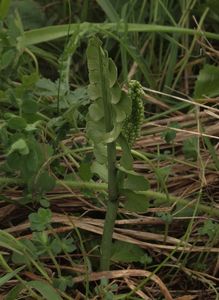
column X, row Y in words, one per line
column 53, row 197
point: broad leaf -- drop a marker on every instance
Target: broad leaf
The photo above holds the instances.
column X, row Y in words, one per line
column 41, row 219
column 126, row 252
column 135, row 202
column 190, row 148
column 207, row 82
column 17, row 123
column 136, row 183
column 84, row 171
column 4, row 7
column 126, row 160
column 45, row 182
column 100, row 170
column 29, row 106
column 20, row 146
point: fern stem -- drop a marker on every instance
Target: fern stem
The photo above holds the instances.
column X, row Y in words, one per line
column 112, row 207
column 112, row 203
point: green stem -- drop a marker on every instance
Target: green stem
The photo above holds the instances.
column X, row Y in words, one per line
column 8, row 181
column 113, row 195
column 112, row 207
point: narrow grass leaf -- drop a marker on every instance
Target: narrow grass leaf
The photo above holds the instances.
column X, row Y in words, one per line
column 14, row 292
column 9, row 242
column 45, row 34
column 107, row 7
column 212, row 151
column 46, row 290
column 10, row 275
column 4, row 7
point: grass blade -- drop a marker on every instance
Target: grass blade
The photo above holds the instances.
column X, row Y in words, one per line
column 50, row 33
column 4, row 7
column 10, row 275
column 109, row 10
column 44, row 289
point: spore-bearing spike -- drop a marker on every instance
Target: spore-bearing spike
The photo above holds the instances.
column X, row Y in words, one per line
column 132, row 125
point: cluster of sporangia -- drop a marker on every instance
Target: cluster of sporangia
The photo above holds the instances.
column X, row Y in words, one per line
column 132, row 125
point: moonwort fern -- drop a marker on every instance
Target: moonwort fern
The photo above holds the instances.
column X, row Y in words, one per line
column 110, row 106
column 113, row 116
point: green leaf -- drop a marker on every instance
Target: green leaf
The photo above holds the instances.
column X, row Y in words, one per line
column 111, row 136
column 84, row 171
column 31, row 13
column 45, row 182
column 18, row 258
column 29, row 81
column 207, row 82
column 127, row 171
column 115, row 94
column 4, row 7
column 212, row 150
column 14, row 292
column 95, row 130
column 136, row 183
column 42, row 241
column 135, row 202
column 46, row 87
column 46, row 290
column 181, row 211
column 96, row 110
column 10, row 275
column 7, row 58
column 211, row 229
column 126, row 160
column 63, row 245
column 19, row 146
column 17, row 123
column 108, row 99
column 123, row 105
column 41, row 219
column 29, row 106
column 100, row 170
column 14, row 161
column 100, row 153
column 56, row 246
column 166, row 217
column 9, row 242
column 190, row 148
column 112, row 72
column 109, row 10
column 49, row 33
column 162, row 174
column 170, row 134
column 44, row 202
column 146, row 259
column 63, row 282
column 126, row 252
